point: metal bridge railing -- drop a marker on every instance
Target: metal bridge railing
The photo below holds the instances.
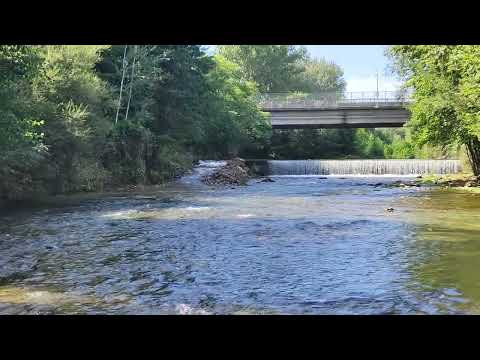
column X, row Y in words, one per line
column 333, row 99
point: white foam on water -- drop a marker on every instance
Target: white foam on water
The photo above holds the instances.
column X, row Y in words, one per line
column 184, row 309
column 211, row 163
column 204, row 168
column 120, row 214
column 333, row 176
column 245, row 215
column 379, row 167
column 199, row 208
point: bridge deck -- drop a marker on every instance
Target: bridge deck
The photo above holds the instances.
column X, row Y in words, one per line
column 332, row 111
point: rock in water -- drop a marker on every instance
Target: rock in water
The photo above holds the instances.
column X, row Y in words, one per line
column 235, row 172
column 389, row 209
column 267, row 180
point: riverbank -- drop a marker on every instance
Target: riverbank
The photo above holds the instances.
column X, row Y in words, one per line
column 60, row 200
column 463, row 182
column 466, row 182
column 233, row 172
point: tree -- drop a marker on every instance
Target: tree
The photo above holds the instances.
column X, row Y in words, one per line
column 17, row 68
column 234, row 124
column 275, row 68
column 59, row 105
column 75, row 105
column 446, row 107
column 21, row 149
column 185, row 105
column 320, row 75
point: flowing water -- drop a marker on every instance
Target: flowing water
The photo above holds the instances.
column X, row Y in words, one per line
column 363, row 167
column 298, row 245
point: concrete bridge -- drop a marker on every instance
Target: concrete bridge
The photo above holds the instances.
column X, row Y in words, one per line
column 337, row 110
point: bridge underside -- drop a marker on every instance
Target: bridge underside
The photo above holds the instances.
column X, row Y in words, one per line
column 338, row 118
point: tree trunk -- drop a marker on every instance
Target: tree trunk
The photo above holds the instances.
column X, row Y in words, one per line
column 473, row 151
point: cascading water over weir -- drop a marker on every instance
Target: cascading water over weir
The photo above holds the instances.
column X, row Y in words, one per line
column 363, row 167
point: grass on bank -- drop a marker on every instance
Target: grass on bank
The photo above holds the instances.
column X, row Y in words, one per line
column 462, row 181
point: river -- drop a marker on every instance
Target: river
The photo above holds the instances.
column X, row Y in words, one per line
column 298, row 245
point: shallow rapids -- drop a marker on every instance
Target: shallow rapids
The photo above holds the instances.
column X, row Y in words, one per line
column 298, row 245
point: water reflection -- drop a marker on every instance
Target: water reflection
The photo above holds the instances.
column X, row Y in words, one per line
column 446, row 253
column 298, row 245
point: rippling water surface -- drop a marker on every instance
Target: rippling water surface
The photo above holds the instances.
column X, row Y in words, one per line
column 299, row 245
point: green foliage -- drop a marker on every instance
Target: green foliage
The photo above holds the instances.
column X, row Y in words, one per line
column 52, row 113
column 234, row 123
column 21, row 150
column 58, row 107
column 275, row 68
column 321, row 76
column 399, row 149
column 23, row 172
column 312, row 143
column 188, row 105
column 369, row 144
column 124, row 153
column 17, row 119
column 74, row 103
column 167, row 160
column 446, row 110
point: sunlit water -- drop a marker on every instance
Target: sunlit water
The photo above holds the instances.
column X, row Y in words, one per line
column 299, row 245
column 364, row 167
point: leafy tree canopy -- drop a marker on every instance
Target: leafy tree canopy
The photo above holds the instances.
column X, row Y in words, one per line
column 446, row 108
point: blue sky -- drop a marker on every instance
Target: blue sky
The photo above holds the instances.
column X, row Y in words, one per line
column 360, row 64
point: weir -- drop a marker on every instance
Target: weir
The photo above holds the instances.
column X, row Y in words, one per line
column 363, row 167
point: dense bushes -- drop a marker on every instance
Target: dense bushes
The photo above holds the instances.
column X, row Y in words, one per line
column 66, row 129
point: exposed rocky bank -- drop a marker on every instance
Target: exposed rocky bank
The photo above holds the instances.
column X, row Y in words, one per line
column 234, row 172
column 461, row 181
